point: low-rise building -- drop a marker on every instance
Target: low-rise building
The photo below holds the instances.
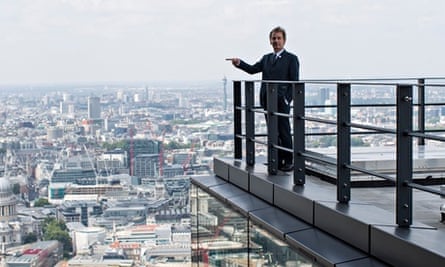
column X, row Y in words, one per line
column 38, row 254
column 98, row 261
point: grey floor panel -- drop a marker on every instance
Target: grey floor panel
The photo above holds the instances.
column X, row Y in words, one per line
column 324, row 248
column 277, row 221
column 207, row 181
column 226, row 191
column 247, row 203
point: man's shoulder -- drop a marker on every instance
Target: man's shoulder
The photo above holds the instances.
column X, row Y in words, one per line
column 289, row 54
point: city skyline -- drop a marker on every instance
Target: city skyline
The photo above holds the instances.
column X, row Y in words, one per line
column 56, row 41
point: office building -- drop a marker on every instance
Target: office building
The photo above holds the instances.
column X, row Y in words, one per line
column 94, row 108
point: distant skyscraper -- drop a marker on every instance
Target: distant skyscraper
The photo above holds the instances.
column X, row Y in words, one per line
column 63, row 107
column 120, row 95
column 323, row 95
column 138, row 98
column 46, row 100
column 67, row 97
column 93, row 107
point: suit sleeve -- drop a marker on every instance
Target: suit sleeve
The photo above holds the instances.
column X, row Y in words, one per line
column 294, row 69
column 294, row 75
column 252, row 69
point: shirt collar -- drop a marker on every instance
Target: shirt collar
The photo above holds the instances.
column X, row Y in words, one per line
column 279, row 53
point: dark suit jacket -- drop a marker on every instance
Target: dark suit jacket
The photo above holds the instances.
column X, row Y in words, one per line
column 285, row 68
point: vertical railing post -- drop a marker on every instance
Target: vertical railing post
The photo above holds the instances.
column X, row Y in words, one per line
column 421, row 110
column 272, row 128
column 298, row 97
column 343, row 142
column 404, row 155
column 250, row 123
column 237, row 131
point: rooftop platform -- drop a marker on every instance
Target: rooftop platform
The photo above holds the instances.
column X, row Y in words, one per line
column 361, row 233
column 428, row 163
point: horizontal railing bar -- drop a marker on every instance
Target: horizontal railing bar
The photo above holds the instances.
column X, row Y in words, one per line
column 257, row 109
column 353, row 105
column 319, row 120
column 260, row 111
column 358, row 79
column 376, row 79
column 427, row 136
column 313, row 157
column 426, row 189
column 430, row 104
column 363, row 170
column 283, row 148
column 334, row 133
column 279, row 114
column 354, row 82
column 352, row 125
column 259, row 141
column 435, row 130
column 320, row 106
column 372, row 105
column 261, row 135
column 361, row 83
column 369, row 127
column 327, row 133
column 431, row 84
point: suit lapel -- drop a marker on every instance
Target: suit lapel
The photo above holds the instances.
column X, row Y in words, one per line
column 272, row 59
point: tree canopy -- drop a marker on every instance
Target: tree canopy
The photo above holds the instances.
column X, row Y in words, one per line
column 30, row 238
column 56, row 230
column 41, row 202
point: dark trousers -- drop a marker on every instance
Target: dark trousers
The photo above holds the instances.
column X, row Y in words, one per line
column 284, row 134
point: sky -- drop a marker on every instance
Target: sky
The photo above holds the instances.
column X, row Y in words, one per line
column 64, row 41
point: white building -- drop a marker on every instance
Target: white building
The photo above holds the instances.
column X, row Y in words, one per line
column 85, row 237
column 10, row 230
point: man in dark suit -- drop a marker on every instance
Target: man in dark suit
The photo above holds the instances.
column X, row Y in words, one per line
column 277, row 66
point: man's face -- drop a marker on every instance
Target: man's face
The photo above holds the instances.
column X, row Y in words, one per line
column 277, row 41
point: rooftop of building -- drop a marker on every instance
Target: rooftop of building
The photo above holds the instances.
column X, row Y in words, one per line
column 397, row 222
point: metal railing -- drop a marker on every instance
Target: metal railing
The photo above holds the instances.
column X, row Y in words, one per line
column 244, row 102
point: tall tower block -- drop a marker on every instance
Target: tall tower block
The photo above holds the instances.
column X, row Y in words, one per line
column 93, row 107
